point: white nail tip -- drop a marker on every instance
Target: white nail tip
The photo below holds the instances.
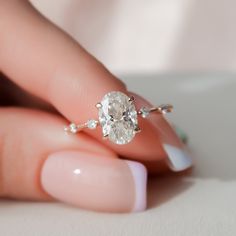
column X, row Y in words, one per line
column 178, row 159
column 139, row 173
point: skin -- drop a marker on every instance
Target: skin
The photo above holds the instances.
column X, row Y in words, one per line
column 47, row 79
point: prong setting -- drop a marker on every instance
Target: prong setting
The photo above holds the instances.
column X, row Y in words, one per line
column 105, row 136
column 137, row 129
column 98, row 105
column 131, row 99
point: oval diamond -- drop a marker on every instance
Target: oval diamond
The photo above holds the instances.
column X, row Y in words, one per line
column 118, row 117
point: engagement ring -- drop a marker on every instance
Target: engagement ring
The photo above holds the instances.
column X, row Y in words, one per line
column 118, row 117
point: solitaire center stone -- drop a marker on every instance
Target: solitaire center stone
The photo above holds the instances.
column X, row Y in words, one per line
column 118, row 117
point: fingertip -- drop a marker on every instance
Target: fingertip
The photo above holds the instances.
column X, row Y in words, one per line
column 175, row 155
column 95, row 182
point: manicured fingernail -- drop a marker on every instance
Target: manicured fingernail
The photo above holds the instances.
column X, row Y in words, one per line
column 178, row 158
column 139, row 173
column 95, row 182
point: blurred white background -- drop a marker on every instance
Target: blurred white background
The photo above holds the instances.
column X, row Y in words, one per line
column 151, row 36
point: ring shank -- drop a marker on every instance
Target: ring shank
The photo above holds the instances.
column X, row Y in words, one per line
column 92, row 124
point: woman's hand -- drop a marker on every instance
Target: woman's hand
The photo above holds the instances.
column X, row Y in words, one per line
column 63, row 81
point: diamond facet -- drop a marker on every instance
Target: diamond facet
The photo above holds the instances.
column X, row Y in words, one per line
column 118, row 117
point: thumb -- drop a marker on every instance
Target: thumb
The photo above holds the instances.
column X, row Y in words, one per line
column 39, row 162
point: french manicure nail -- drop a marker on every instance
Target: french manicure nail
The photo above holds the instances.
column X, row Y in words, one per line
column 178, row 159
column 139, row 174
column 95, row 182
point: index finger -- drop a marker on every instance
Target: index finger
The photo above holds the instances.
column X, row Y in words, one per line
column 42, row 59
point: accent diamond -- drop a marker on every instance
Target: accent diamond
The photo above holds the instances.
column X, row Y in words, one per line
column 118, row 117
column 145, row 112
column 92, row 124
column 73, row 128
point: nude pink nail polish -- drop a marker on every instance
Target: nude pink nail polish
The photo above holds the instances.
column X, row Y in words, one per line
column 95, row 182
column 139, row 173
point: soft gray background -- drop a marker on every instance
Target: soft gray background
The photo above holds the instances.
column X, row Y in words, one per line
column 203, row 203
